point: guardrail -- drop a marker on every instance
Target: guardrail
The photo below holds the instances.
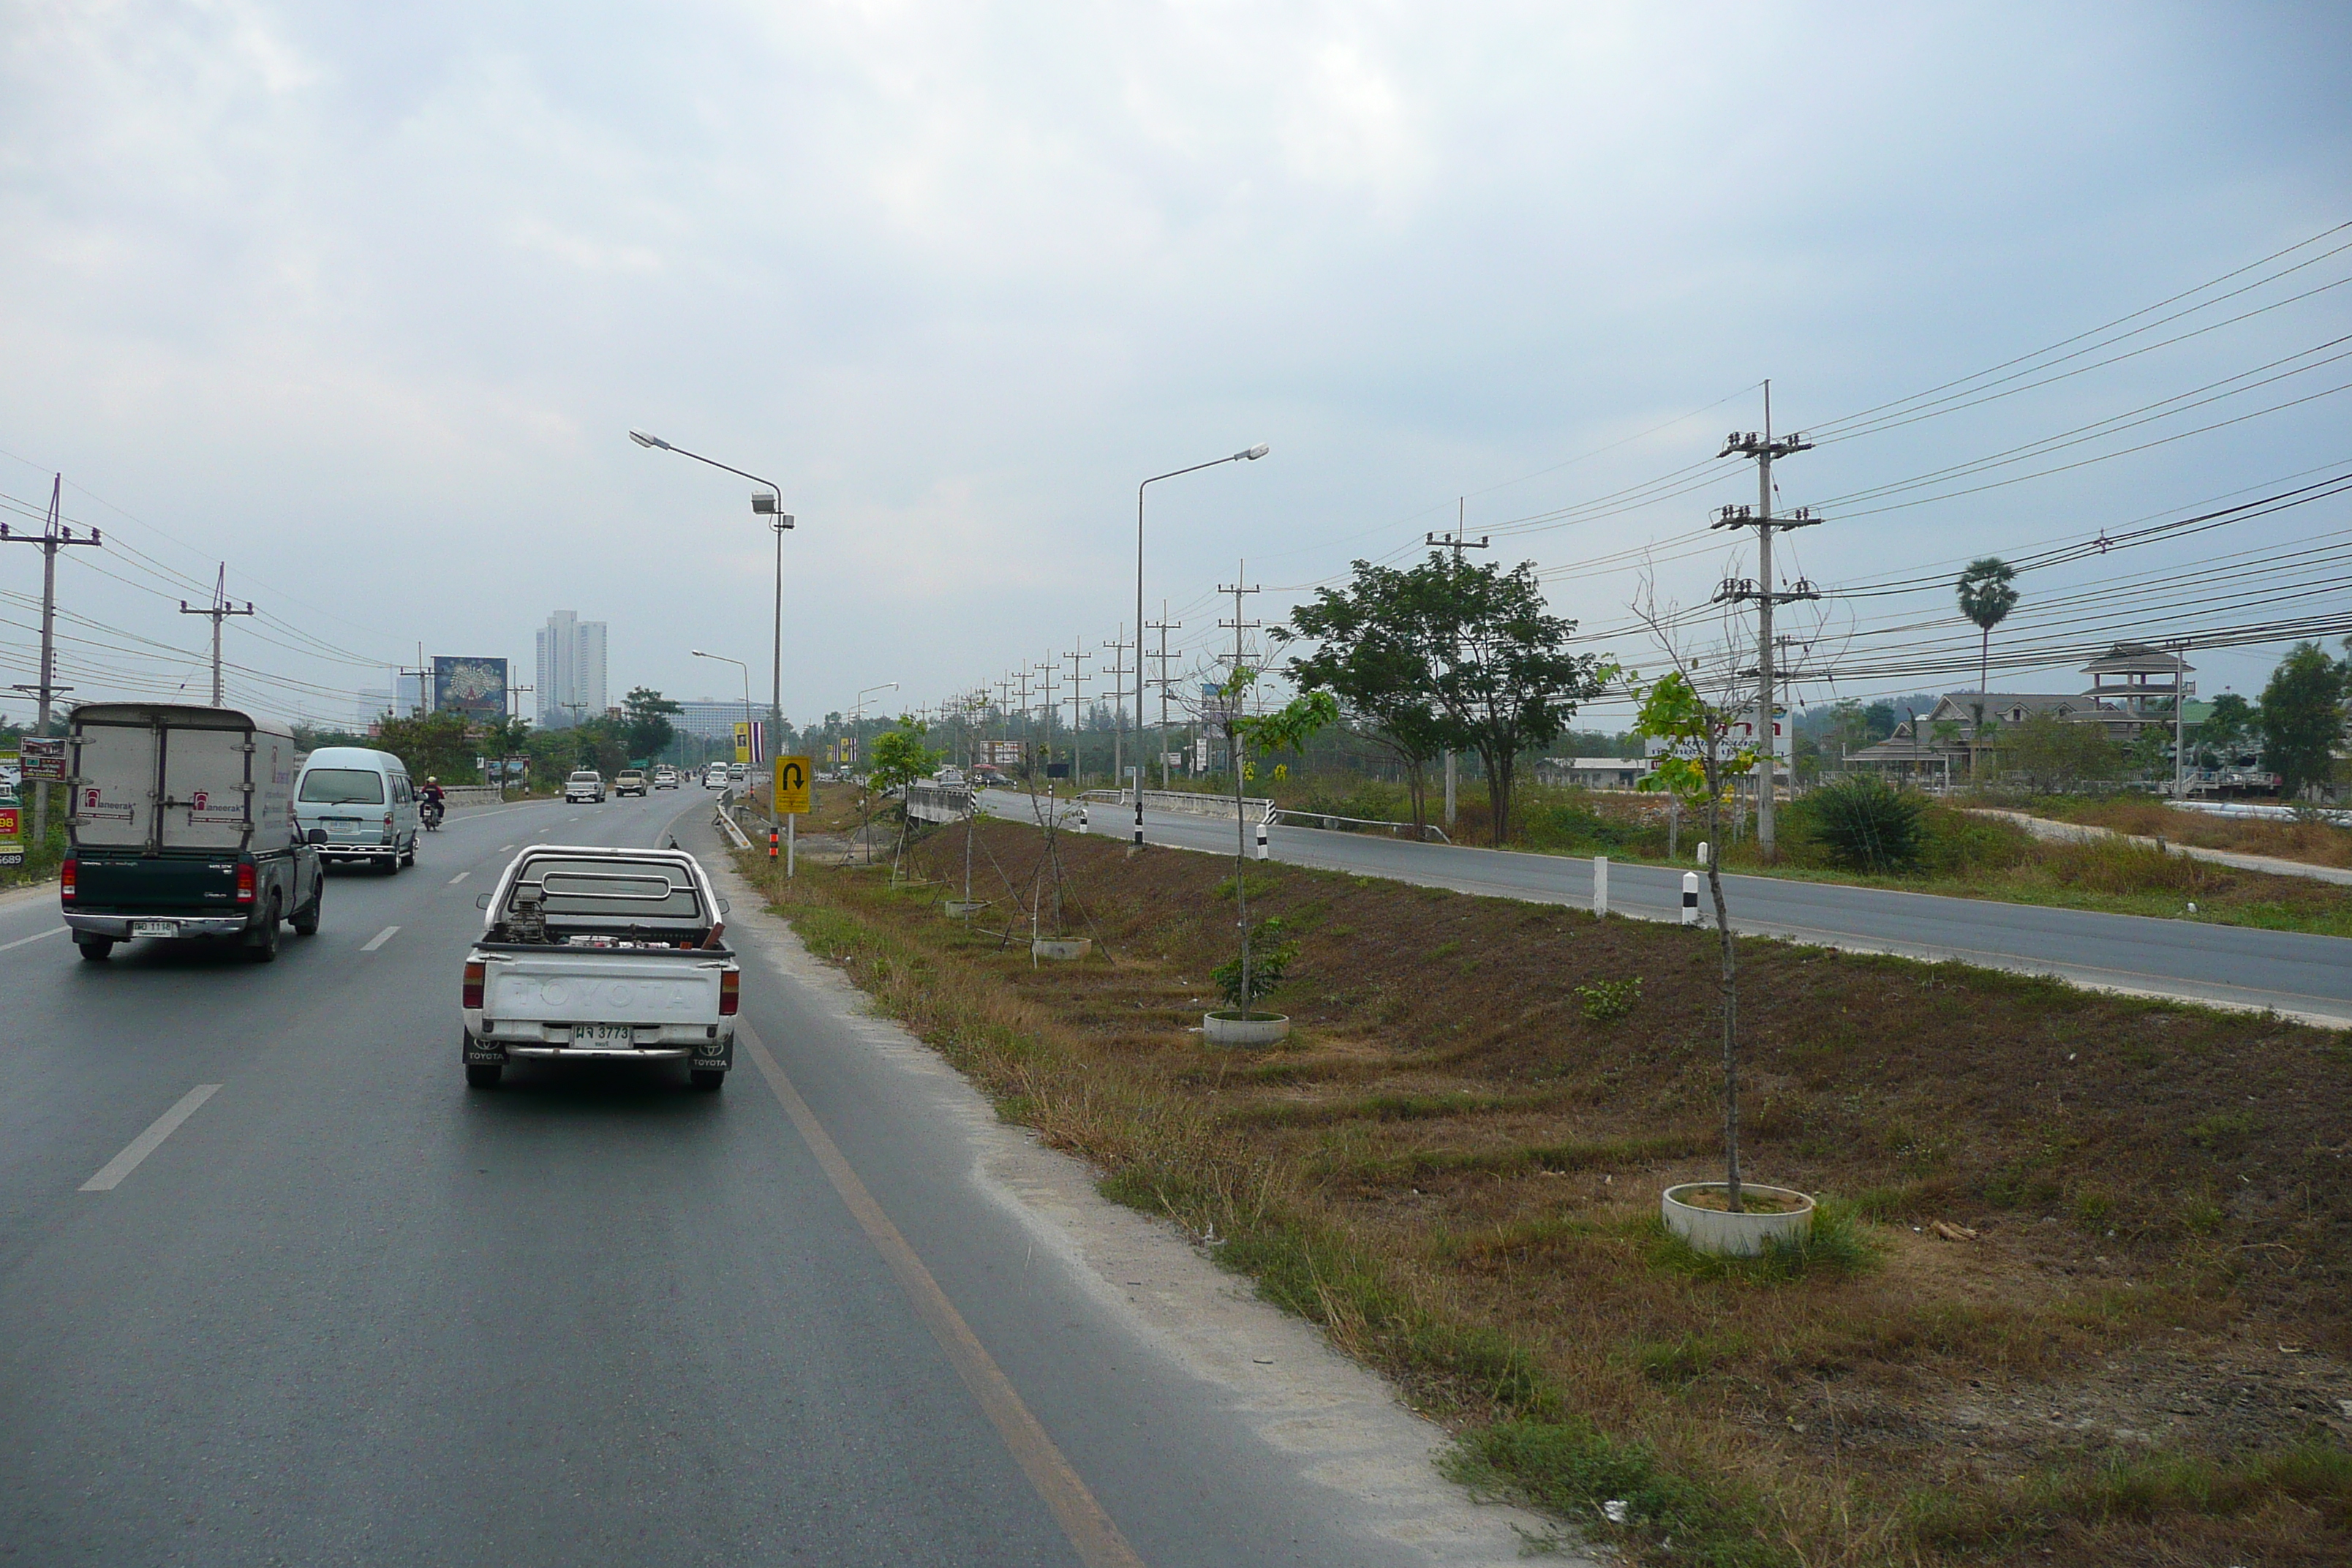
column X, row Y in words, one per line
column 1181, row 800
column 456, row 795
column 1325, row 819
column 928, row 802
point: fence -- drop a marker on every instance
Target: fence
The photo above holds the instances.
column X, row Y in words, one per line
column 1186, row 801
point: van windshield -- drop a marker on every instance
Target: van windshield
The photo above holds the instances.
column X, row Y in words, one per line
column 342, row 786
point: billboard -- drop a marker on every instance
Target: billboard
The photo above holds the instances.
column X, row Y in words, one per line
column 476, row 688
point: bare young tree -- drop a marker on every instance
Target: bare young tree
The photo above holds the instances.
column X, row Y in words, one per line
column 1695, row 717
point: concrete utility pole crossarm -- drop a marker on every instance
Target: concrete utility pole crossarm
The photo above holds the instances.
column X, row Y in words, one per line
column 54, row 536
column 1457, row 541
column 220, row 609
column 1764, row 591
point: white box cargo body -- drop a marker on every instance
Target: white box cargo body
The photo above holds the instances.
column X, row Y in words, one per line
column 157, row 777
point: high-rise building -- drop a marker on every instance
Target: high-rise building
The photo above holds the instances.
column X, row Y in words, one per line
column 571, row 669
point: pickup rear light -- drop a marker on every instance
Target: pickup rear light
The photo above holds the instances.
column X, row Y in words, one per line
column 66, row 876
column 472, row 995
column 730, row 992
column 245, row 884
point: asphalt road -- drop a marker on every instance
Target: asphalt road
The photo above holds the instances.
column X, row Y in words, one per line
column 348, row 1312
column 2233, row 965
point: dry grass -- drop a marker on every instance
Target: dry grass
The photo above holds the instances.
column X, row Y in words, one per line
column 2319, row 843
column 1455, row 1170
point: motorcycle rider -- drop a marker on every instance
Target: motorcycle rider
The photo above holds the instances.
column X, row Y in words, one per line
column 431, row 798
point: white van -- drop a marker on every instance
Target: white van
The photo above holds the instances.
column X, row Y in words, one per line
column 363, row 802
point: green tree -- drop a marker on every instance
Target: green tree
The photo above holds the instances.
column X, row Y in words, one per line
column 898, row 757
column 1380, row 673
column 435, row 744
column 645, row 717
column 2302, row 718
column 1987, row 595
column 2052, row 755
column 1699, row 770
column 2224, row 733
column 1502, row 681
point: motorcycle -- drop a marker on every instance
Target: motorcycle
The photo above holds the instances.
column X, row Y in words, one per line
column 430, row 813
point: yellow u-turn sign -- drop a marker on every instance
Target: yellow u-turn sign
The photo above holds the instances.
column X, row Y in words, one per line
column 792, row 786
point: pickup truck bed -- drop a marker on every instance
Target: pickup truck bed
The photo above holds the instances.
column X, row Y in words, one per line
column 618, row 957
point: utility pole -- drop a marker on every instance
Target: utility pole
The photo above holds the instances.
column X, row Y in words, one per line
column 1078, row 719
column 1457, row 541
column 54, row 536
column 1119, row 647
column 1163, row 626
column 1764, row 590
column 1233, row 758
column 220, row 610
column 1046, row 700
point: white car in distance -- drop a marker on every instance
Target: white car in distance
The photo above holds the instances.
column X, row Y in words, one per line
column 583, row 785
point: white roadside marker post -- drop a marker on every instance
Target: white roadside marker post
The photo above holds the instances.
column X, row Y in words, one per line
column 1690, row 897
column 1600, row 886
column 1261, row 852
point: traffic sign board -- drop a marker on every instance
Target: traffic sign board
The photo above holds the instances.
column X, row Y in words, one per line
column 792, row 787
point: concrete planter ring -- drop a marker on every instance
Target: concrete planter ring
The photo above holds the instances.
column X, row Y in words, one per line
column 1780, row 1216
column 1061, row 947
column 1234, row 1029
column 962, row 908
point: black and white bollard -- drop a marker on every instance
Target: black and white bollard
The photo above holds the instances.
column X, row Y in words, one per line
column 1690, row 897
column 1261, row 841
column 1600, row 886
column 1082, row 819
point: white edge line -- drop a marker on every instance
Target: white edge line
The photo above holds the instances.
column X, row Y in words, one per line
column 37, row 936
column 379, row 939
column 147, row 1142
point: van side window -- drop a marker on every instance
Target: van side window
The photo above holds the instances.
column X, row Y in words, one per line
column 400, row 789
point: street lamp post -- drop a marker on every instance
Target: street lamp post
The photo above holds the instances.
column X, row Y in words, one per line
column 767, row 503
column 746, row 669
column 1161, row 735
column 858, row 717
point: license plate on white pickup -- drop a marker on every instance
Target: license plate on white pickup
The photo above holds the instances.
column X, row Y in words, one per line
column 154, row 928
column 603, row 1034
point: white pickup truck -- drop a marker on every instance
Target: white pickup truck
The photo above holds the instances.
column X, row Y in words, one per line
column 601, row 954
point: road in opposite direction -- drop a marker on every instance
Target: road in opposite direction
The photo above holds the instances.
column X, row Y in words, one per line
column 2239, row 967
column 347, row 1311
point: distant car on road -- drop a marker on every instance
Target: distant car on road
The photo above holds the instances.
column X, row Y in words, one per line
column 737, row 772
column 630, row 780
column 715, row 776
column 665, row 778
column 585, row 785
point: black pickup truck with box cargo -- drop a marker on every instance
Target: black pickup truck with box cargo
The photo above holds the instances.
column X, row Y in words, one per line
column 182, row 824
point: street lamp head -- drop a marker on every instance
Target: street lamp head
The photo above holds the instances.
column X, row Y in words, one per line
column 1254, row 453
column 765, row 504
column 642, row 440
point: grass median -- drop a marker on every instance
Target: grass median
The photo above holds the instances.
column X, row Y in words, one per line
column 2077, row 1295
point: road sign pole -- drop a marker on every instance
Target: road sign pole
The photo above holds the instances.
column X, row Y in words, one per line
column 791, row 825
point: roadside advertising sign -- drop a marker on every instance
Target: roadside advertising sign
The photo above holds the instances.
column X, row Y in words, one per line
column 476, row 688
column 742, row 743
column 793, row 786
column 12, row 768
column 12, row 833
column 45, row 759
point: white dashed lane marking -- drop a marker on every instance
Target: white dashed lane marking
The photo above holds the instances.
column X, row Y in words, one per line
column 110, row 1174
column 379, row 939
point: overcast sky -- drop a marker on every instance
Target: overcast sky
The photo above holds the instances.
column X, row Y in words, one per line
column 363, row 300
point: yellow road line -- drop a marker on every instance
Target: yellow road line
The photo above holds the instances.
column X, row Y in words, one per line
column 1090, row 1530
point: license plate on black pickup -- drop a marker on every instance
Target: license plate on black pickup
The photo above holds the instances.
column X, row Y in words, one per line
column 603, row 1034
column 154, row 928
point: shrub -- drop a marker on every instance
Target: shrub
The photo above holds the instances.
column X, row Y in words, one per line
column 1861, row 823
column 1270, row 958
column 1605, row 1001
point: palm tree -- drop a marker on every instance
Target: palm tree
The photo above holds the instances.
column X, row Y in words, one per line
column 1986, row 595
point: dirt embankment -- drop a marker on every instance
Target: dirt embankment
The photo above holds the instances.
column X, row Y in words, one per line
column 2082, row 1296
